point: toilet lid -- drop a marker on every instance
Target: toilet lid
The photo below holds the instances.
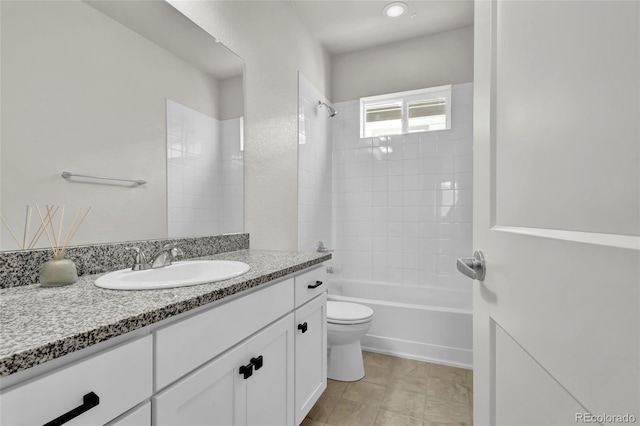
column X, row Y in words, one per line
column 347, row 312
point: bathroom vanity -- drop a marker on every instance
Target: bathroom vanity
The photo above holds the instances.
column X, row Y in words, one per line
column 249, row 350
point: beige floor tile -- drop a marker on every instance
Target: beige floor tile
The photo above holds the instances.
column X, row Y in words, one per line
column 409, row 403
column 311, row 422
column 378, row 360
column 377, row 375
column 351, row 413
column 323, row 408
column 427, row 422
column 409, row 384
column 366, row 393
column 336, row 388
column 397, row 391
column 448, row 390
column 447, row 412
column 403, row 367
column 453, row 374
column 391, row 418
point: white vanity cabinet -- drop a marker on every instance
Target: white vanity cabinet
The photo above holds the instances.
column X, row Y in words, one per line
column 311, row 341
column 254, row 358
column 99, row 388
column 251, row 384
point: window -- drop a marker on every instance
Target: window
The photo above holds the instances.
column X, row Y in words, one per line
column 421, row 110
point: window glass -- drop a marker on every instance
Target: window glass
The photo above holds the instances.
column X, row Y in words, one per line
column 384, row 119
column 421, row 110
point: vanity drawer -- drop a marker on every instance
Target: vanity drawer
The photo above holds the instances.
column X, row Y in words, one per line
column 185, row 345
column 309, row 284
column 120, row 377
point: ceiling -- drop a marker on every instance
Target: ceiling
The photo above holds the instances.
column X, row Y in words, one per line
column 349, row 25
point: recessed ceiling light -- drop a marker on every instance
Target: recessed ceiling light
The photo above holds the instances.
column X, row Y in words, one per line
column 395, row 9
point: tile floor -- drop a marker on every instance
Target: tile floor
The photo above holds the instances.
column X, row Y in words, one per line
column 397, row 392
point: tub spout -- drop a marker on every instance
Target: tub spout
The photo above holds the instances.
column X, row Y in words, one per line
column 320, row 248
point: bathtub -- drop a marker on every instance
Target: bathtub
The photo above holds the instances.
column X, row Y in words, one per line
column 424, row 323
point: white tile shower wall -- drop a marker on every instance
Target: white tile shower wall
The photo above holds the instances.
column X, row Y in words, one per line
column 193, row 178
column 193, row 172
column 402, row 204
column 314, row 169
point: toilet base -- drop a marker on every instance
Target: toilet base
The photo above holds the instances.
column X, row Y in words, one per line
column 344, row 362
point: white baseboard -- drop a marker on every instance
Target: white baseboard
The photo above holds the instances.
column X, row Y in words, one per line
column 455, row 357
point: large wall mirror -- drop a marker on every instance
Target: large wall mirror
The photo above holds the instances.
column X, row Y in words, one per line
column 122, row 89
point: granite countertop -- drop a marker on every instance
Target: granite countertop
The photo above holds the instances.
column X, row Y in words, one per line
column 38, row 324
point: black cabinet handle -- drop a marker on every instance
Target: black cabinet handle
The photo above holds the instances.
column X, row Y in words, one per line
column 303, row 327
column 257, row 362
column 316, row 285
column 89, row 401
column 246, row 371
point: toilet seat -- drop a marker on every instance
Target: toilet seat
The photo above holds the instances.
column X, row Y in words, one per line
column 348, row 313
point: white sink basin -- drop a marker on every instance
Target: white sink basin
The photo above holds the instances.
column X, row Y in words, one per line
column 178, row 274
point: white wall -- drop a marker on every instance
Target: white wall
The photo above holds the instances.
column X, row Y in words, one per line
column 430, row 61
column 274, row 44
column 314, row 169
column 403, row 217
column 77, row 97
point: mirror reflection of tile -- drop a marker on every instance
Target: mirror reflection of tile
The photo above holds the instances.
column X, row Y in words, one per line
column 204, row 173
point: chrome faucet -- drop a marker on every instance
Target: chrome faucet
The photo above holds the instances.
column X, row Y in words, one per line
column 160, row 259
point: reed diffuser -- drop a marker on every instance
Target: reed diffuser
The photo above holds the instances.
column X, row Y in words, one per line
column 27, row 242
column 59, row 271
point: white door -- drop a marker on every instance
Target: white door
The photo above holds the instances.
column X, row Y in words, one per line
column 556, row 212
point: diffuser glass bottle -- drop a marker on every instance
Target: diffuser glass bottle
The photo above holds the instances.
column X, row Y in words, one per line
column 59, row 271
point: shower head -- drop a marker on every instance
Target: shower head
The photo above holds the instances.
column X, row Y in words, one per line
column 330, row 110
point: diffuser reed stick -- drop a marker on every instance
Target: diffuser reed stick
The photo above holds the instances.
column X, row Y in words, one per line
column 56, row 239
column 24, row 244
column 40, row 231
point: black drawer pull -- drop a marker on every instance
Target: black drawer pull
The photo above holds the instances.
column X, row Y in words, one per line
column 89, row 401
column 257, row 362
column 303, row 327
column 246, row 371
column 316, row 285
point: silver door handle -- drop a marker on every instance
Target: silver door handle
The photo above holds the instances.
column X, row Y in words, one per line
column 474, row 268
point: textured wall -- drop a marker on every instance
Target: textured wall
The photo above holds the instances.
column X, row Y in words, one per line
column 434, row 60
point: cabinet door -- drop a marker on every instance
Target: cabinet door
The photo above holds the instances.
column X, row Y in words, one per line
column 311, row 354
column 140, row 416
column 270, row 388
column 120, row 377
column 214, row 394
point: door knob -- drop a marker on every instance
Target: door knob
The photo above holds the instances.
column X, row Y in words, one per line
column 474, row 268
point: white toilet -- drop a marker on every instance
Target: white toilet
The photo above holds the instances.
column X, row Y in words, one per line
column 347, row 323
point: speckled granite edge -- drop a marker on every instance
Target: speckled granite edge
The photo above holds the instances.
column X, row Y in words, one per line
column 21, row 360
column 23, row 267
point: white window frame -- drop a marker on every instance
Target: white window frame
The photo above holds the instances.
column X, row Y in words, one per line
column 405, row 98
